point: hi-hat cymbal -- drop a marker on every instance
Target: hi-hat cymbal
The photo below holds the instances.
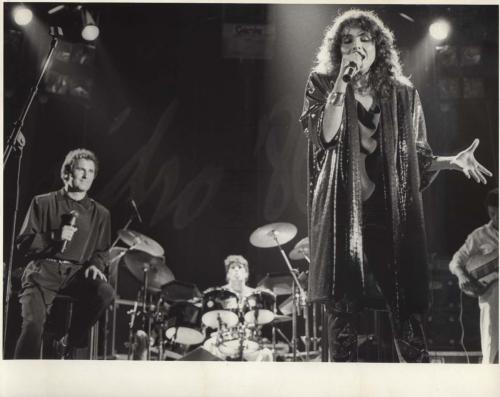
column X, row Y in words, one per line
column 140, row 242
column 301, row 250
column 158, row 273
column 266, row 236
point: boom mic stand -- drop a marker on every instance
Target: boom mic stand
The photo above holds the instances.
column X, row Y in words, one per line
column 16, row 134
column 17, row 141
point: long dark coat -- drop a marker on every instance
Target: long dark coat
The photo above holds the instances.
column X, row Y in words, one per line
column 334, row 194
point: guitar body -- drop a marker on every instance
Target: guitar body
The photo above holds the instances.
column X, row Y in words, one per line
column 483, row 269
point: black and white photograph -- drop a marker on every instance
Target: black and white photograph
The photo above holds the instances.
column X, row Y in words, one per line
column 281, row 185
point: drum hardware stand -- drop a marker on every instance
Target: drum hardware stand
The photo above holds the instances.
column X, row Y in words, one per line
column 241, row 347
column 115, row 287
column 256, row 316
column 324, row 334
column 113, row 305
column 274, row 341
column 315, row 327
column 306, row 315
column 133, row 313
column 160, row 336
column 302, row 296
column 146, row 309
column 275, row 328
column 294, row 323
column 305, row 308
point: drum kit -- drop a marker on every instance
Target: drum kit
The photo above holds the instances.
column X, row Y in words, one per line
column 170, row 317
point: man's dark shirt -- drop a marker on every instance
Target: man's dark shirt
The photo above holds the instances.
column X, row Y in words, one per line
column 46, row 215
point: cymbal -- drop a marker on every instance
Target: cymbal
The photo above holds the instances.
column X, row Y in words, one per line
column 301, row 250
column 265, row 236
column 158, row 273
column 140, row 242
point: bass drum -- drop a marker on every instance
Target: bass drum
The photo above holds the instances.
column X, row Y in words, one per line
column 183, row 324
column 220, row 308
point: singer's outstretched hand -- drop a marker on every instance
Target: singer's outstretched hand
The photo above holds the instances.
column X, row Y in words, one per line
column 467, row 163
column 95, row 273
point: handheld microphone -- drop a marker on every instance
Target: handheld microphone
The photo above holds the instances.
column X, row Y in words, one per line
column 71, row 221
column 351, row 69
column 136, row 210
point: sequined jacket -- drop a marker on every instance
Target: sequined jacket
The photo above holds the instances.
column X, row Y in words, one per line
column 334, row 193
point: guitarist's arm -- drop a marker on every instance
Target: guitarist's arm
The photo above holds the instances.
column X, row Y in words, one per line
column 458, row 262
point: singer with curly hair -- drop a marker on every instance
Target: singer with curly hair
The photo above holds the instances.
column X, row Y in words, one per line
column 368, row 161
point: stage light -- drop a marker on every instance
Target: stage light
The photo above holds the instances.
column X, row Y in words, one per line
column 440, row 29
column 406, row 16
column 22, row 15
column 56, row 9
column 90, row 31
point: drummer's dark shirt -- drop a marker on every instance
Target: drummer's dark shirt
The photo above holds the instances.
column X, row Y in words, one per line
column 48, row 213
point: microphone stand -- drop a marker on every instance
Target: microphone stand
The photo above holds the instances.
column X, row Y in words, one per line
column 17, row 140
column 16, row 134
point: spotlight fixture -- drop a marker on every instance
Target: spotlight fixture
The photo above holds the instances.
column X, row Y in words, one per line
column 406, row 16
column 56, row 9
column 440, row 29
column 90, row 30
column 22, row 15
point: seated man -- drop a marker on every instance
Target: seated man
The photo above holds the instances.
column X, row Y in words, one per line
column 482, row 244
column 66, row 235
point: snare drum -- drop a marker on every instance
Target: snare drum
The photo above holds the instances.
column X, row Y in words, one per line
column 220, row 308
column 259, row 307
column 184, row 324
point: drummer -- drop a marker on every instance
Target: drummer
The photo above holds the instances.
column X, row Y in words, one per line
column 237, row 276
column 237, row 273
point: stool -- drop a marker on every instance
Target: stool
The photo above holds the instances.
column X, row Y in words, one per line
column 93, row 336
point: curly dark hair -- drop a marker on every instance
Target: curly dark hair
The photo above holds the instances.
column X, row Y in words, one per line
column 385, row 71
column 75, row 155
